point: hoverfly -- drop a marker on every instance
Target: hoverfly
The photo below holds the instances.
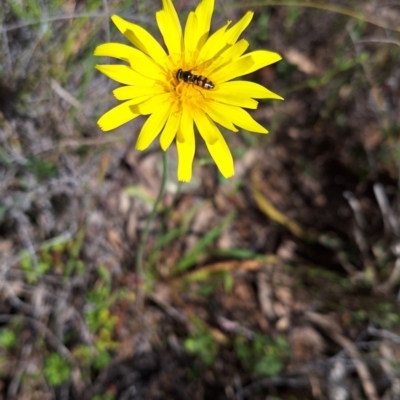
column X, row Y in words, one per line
column 198, row 80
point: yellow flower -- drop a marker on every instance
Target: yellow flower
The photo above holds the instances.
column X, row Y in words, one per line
column 189, row 83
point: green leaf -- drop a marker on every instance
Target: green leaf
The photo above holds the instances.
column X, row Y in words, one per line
column 190, row 259
column 42, row 169
column 56, row 370
column 8, row 339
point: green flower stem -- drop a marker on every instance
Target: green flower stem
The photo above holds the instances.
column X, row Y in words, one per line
column 145, row 233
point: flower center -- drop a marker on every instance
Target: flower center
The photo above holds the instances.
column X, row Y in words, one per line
column 186, row 89
column 188, row 93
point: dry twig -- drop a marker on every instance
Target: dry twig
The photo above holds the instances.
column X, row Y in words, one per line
column 333, row 330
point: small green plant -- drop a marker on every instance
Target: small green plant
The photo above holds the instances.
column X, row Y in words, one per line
column 101, row 323
column 202, row 245
column 292, row 15
column 8, row 339
column 259, row 34
column 90, row 356
column 41, row 168
column 263, row 356
column 56, row 370
column 60, row 256
column 99, row 318
column 32, row 272
column 105, row 396
column 386, row 315
column 204, row 345
column 25, row 10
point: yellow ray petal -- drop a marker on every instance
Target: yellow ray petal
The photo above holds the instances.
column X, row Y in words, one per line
column 124, row 74
column 206, row 127
column 214, row 44
column 232, row 99
column 171, row 127
column 138, row 61
column 236, row 50
column 186, row 152
column 239, row 117
column 204, row 13
column 244, row 120
column 186, row 125
column 141, row 39
column 152, row 127
column 222, row 156
column 118, row 116
column 185, row 145
column 261, row 58
column 221, row 118
column 190, row 37
column 228, row 55
column 131, row 92
column 236, row 68
column 170, row 27
column 115, row 50
column 155, row 102
column 232, row 34
column 249, row 89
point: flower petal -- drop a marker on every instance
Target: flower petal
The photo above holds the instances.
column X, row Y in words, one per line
column 171, row 127
column 239, row 117
column 185, row 145
column 236, row 30
column 261, row 58
column 236, row 50
column 185, row 126
column 231, row 53
column 214, row 44
column 218, row 45
column 222, row 156
column 244, row 120
column 141, row 39
column 237, row 68
column 221, row 118
column 118, row 116
column 250, row 89
column 232, row 99
column 124, row 74
column 152, row 127
column 204, row 13
column 115, row 50
column 170, row 27
column 206, row 127
column 190, row 36
column 155, row 102
column 131, row 92
column 139, row 61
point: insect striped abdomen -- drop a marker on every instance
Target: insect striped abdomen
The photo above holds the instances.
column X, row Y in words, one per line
column 198, row 80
